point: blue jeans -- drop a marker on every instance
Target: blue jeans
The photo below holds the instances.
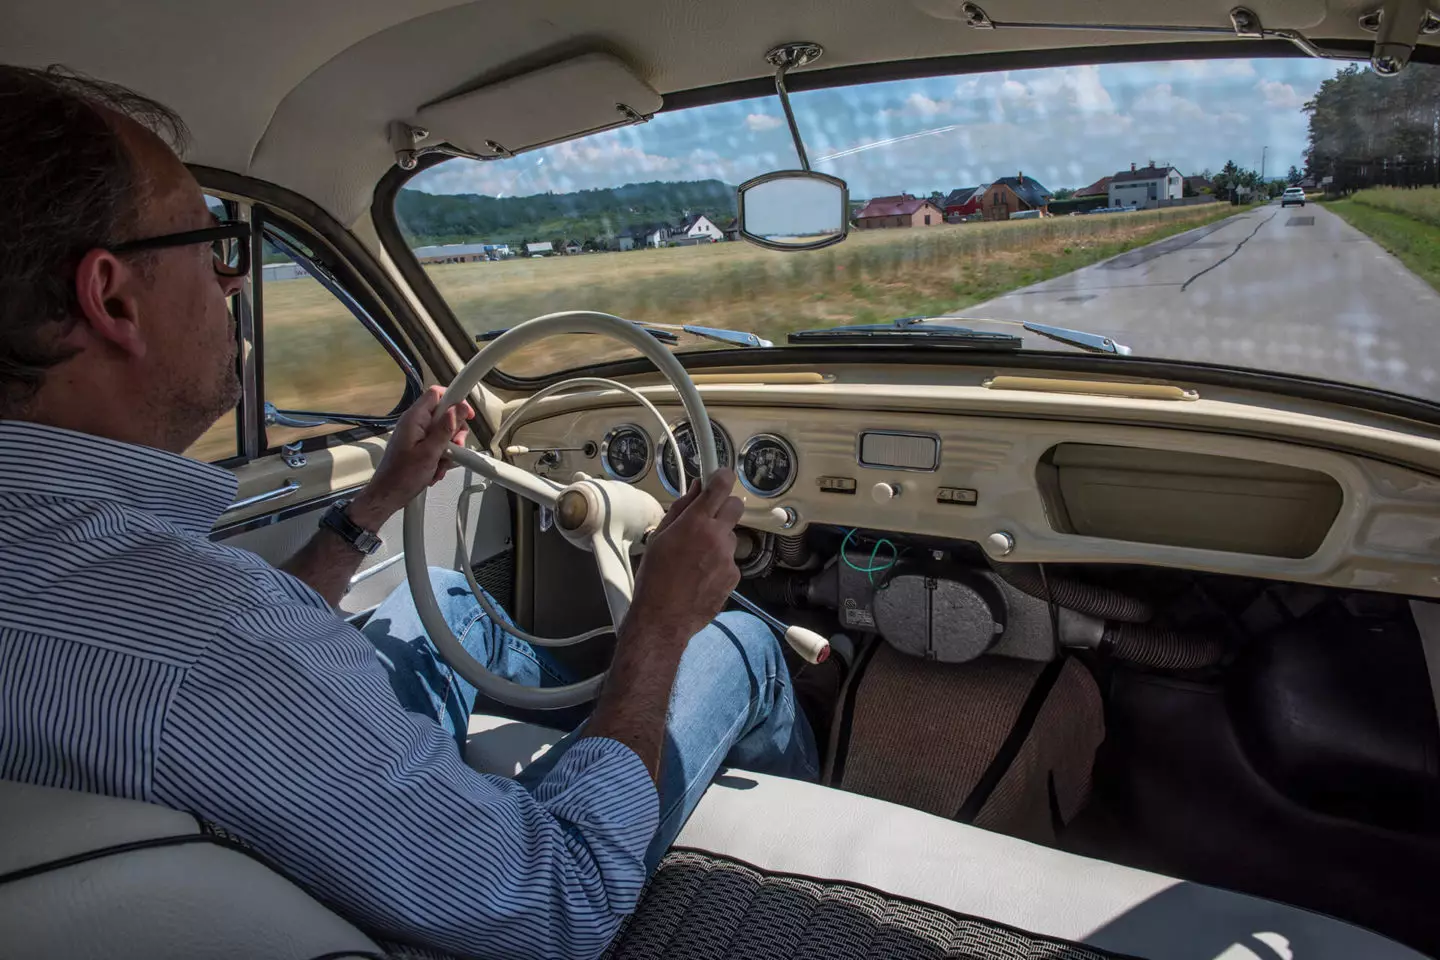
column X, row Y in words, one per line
column 732, row 701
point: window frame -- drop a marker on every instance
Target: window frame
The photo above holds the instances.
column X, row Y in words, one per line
column 340, row 278
column 290, row 236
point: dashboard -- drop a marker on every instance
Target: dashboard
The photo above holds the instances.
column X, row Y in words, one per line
column 1030, row 489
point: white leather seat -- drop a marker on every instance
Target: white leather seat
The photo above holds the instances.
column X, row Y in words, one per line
column 786, row 827
column 90, row 876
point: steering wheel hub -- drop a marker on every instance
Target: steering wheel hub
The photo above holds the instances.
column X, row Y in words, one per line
column 572, row 510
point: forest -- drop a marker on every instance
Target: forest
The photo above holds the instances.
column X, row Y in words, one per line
column 1369, row 130
column 583, row 215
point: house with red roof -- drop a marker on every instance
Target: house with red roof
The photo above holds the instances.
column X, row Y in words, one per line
column 902, row 210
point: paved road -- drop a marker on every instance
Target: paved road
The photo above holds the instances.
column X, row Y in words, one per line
column 1297, row 290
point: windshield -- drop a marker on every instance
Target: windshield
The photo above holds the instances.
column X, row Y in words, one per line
column 1278, row 214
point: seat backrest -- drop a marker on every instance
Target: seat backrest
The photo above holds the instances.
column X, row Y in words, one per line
column 83, row 875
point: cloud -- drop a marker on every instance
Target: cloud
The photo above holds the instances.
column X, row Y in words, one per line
column 1279, row 95
column 1162, row 100
column 1214, row 68
column 923, row 106
column 760, row 122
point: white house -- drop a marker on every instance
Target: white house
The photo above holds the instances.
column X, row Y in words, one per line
column 544, row 249
column 1144, row 187
column 648, row 235
column 696, row 228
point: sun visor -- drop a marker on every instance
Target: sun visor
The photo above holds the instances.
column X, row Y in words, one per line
column 589, row 93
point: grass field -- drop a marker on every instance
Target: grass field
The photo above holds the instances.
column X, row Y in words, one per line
column 1404, row 222
column 318, row 358
column 874, row 275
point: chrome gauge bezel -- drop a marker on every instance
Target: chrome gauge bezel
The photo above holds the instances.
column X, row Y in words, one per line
column 740, row 465
column 605, row 453
column 664, row 442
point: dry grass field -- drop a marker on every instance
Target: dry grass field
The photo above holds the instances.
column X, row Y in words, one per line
column 318, row 358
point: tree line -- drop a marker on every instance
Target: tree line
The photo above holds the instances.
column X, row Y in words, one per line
column 1366, row 129
column 584, row 215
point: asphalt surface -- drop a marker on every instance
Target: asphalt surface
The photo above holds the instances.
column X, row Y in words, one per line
column 1296, row 290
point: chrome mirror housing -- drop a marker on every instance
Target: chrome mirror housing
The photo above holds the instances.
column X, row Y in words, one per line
column 794, row 210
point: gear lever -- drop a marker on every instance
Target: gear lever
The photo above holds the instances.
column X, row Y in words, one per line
column 812, row 647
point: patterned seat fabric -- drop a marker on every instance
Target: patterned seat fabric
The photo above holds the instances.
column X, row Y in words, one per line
column 701, row 906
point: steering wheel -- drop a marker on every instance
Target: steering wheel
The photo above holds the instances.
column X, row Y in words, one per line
column 606, row 517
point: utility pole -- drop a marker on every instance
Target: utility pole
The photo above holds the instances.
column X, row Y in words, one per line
column 1263, row 151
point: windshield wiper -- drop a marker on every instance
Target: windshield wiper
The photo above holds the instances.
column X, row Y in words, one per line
column 664, row 336
column 908, row 330
column 1090, row 342
column 665, row 333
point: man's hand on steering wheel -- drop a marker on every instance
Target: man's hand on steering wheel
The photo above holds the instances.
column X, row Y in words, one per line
column 689, row 568
column 414, row 458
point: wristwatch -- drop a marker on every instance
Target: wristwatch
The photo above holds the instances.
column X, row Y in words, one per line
column 336, row 520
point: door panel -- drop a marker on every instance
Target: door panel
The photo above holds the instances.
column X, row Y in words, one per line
column 275, row 530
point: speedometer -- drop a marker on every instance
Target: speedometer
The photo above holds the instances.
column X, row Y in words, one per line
column 625, row 453
column 767, row 465
column 685, row 437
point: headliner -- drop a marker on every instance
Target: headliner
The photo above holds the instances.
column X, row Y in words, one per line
column 300, row 93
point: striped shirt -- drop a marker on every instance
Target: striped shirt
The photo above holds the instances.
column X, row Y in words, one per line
column 138, row 659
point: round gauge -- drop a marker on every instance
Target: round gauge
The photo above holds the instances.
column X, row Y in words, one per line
column 767, row 465
column 685, row 437
column 625, row 453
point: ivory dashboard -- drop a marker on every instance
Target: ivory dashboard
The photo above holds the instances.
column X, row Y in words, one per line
column 1034, row 489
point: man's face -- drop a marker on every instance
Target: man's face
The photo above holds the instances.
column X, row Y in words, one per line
column 189, row 362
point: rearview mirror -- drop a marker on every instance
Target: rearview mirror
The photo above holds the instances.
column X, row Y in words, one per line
column 794, row 210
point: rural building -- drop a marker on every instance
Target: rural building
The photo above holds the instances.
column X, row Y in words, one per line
column 1199, row 185
column 696, row 228
column 1100, row 188
column 963, row 202
column 902, row 210
column 1144, row 187
column 543, row 249
column 457, row 253
column 1010, row 195
column 645, row 235
column 571, row 247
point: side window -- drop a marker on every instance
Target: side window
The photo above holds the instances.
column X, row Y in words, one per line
column 222, row 440
column 320, row 361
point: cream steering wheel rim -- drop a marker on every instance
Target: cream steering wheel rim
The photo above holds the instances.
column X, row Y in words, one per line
column 616, row 511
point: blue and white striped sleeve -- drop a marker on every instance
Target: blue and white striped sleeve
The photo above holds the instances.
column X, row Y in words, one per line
column 287, row 733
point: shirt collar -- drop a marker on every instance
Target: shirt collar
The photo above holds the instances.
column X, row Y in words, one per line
column 54, row 462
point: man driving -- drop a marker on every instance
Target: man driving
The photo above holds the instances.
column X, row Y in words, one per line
column 139, row 659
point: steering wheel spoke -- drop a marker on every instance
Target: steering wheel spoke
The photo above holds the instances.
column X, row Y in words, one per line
column 518, row 480
column 612, row 559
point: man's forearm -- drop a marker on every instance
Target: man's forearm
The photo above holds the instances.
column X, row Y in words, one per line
column 636, row 697
column 327, row 562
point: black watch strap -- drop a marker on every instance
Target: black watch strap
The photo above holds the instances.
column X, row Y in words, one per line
column 337, row 521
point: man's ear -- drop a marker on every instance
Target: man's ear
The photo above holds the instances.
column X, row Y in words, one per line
column 106, row 286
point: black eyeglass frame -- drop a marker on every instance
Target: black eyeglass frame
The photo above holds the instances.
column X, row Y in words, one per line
column 224, row 230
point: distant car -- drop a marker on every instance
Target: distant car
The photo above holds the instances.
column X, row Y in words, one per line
column 1292, row 195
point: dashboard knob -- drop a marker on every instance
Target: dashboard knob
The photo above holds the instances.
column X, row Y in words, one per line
column 1000, row 543
column 786, row 517
column 885, row 492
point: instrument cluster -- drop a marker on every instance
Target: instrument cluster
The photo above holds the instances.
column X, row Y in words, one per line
column 766, row 465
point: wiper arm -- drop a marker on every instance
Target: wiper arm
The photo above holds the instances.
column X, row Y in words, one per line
column 665, row 333
column 664, row 336
column 1091, row 342
column 739, row 338
column 908, row 330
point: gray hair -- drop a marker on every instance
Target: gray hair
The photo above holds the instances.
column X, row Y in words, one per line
column 67, row 186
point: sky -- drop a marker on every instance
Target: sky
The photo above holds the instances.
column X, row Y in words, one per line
column 1065, row 126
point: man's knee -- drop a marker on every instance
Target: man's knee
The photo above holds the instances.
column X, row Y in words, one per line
column 739, row 640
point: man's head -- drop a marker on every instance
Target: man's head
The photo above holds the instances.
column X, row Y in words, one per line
column 139, row 346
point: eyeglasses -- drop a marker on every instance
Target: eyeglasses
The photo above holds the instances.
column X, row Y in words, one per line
column 230, row 240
